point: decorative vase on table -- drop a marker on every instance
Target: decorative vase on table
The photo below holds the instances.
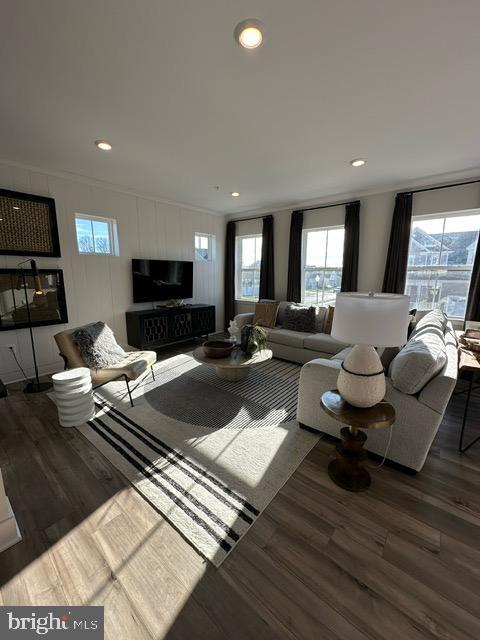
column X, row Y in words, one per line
column 253, row 338
column 234, row 331
column 367, row 320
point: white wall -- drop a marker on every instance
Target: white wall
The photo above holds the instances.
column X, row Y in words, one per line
column 100, row 287
column 375, row 220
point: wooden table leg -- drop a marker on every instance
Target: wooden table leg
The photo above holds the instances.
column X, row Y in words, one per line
column 462, row 448
column 347, row 471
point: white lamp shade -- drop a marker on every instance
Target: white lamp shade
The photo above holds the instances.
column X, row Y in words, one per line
column 378, row 319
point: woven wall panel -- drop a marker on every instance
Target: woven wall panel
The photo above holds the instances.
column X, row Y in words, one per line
column 25, row 226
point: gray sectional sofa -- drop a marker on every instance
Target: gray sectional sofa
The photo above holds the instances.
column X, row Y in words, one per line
column 297, row 346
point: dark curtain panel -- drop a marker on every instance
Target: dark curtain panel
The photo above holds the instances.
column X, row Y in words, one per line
column 229, row 290
column 473, row 301
column 294, row 281
column 267, row 284
column 397, row 257
column 350, row 247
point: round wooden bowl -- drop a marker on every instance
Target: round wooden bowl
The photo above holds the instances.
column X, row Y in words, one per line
column 217, row 348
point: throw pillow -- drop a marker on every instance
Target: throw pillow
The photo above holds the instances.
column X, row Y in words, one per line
column 97, row 345
column 420, row 360
column 430, row 319
column 327, row 327
column 435, row 319
column 298, row 318
column 266, row 314
column 320, row 319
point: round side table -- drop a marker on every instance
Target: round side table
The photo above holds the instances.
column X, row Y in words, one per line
column 74, row 396
column 347, row 471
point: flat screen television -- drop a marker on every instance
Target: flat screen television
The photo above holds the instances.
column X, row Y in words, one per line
column 157, row 280
column 46, row 308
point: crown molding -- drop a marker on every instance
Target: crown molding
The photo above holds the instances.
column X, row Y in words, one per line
column 420, row 183
column 426, row 181
column 93, row 182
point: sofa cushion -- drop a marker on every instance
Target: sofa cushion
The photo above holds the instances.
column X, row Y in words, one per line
column 266, row 314
column 323, row 342
column 287, row 337
column 327, row 326
column 320, row 319
column 300, row 318
column 281, row 309
column 420, row 360
column 435, row 319
column 320, row 316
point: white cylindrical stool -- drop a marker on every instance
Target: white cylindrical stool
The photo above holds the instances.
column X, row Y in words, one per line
column 74, row 396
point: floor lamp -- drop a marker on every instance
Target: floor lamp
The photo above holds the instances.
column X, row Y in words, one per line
column 34, row 386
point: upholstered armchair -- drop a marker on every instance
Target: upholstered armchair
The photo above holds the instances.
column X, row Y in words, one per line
column 131, row 367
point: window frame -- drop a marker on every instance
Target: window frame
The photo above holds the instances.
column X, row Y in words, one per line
column 324, row 269
column 238, row 265
column 211, row 247
column 441, row 267
column 112, row 234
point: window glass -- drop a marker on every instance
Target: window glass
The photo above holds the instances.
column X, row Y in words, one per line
column 323, row 263
column 96, row 235
column 440, row 259
column 249, row 257
column 204, row 247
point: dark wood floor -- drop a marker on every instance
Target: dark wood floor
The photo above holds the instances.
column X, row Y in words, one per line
column 400, row 561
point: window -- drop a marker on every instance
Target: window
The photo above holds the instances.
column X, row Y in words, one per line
column 322, row 264
column 204, row 247
column 248, row 259
column 96, row 235
column 440, row 260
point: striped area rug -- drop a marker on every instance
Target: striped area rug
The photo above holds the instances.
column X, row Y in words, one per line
column 267, row 397
column 208, row 454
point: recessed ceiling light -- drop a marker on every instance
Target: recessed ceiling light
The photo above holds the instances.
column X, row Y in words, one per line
column 235, row 194
column 17, row 208
column 358, row 162
column 248, row 33
column 104, row 145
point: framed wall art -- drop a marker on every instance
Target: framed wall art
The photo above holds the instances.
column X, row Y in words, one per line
column 28, row 225
column 22, row 306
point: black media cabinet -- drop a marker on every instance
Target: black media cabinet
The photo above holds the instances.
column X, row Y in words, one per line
column 153, row 328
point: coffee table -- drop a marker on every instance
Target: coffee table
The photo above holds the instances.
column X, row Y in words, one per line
column 236, row 366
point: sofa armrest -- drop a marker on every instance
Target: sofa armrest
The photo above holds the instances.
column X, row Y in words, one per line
column 243, row 318
column 316, row 377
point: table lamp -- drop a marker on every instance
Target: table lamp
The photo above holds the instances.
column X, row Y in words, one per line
column 367, row 320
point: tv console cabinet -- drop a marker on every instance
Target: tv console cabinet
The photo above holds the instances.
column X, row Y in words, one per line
column 154, row 328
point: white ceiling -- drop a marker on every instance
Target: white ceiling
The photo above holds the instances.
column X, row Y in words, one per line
column 186, row 109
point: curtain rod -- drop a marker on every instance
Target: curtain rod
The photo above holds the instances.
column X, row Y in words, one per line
column 328, row 206
column 339, row 204
column 254, row 218
column 442, row 186
column 321, row 206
